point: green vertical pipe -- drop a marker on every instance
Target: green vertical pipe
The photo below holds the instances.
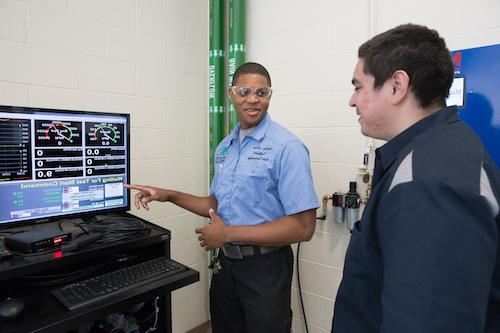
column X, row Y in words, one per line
column 237, row 50
column 216, row 78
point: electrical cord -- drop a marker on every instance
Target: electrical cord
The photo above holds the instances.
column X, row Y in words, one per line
column 117, row 229
column 157, row 311
column 112, row 228
column 100, row 229
column 76, row 224
column 300, row 289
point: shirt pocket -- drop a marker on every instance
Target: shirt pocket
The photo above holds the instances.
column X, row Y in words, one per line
column 253, row 183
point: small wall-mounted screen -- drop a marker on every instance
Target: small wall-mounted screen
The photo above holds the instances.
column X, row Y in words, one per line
column 457, row 92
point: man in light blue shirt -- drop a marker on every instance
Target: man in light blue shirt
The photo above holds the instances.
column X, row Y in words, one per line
column 264, row 197
column 261, row 178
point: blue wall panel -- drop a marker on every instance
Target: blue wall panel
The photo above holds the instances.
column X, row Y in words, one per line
column 481, row 69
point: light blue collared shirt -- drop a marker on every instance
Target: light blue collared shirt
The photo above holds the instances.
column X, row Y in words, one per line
column 264, row 178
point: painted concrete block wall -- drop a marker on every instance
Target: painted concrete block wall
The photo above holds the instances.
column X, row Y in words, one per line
column 310, row 49
column 143, row 57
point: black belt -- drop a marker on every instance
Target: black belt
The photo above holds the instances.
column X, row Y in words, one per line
column 239, row 251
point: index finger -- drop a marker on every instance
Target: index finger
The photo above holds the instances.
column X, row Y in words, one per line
column 135, row 187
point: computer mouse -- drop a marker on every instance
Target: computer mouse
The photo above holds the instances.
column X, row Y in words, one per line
column 10, row 308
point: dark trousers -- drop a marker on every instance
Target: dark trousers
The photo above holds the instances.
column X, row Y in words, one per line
column 252, row 295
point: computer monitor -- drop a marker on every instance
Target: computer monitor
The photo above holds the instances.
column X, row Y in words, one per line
column 62, row 163
column 457, row 92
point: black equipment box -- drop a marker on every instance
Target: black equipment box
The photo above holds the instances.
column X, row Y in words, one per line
column 37, row 240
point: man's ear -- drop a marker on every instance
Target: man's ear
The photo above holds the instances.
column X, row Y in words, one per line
column 230, row 94
column 400, row 86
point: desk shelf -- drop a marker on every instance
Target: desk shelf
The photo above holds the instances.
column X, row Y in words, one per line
column 45, row 314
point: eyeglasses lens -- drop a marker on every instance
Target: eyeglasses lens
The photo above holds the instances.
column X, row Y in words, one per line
column 246, row 91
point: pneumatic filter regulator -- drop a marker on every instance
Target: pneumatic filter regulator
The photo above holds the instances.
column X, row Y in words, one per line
column 338, row 207
column 352, row 204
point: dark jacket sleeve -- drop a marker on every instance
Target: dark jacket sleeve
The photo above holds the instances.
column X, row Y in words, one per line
column 438, row 246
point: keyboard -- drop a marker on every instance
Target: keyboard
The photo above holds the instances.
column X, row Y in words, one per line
column 96, row 289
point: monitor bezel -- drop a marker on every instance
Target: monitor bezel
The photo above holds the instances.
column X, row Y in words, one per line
column 85, row 214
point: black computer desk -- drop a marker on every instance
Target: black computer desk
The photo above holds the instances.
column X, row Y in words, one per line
column 44, row 313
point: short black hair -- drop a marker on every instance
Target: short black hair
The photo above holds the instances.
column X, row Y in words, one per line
column 251, row 68
column 417, row 50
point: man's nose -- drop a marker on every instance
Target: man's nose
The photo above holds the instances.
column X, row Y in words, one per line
column 352, row 103
column 252, row 98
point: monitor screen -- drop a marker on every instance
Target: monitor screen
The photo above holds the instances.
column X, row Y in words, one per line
column 457, row 92
column 57, row 163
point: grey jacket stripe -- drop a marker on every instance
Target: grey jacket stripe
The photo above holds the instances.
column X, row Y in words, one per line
column 487, row 192
column 404, row 173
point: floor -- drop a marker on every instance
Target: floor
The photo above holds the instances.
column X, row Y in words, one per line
column 203, row 328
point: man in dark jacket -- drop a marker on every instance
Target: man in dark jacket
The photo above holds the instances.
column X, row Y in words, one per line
column 425, row 255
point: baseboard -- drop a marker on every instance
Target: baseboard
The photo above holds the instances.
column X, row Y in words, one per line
column 203, row 328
